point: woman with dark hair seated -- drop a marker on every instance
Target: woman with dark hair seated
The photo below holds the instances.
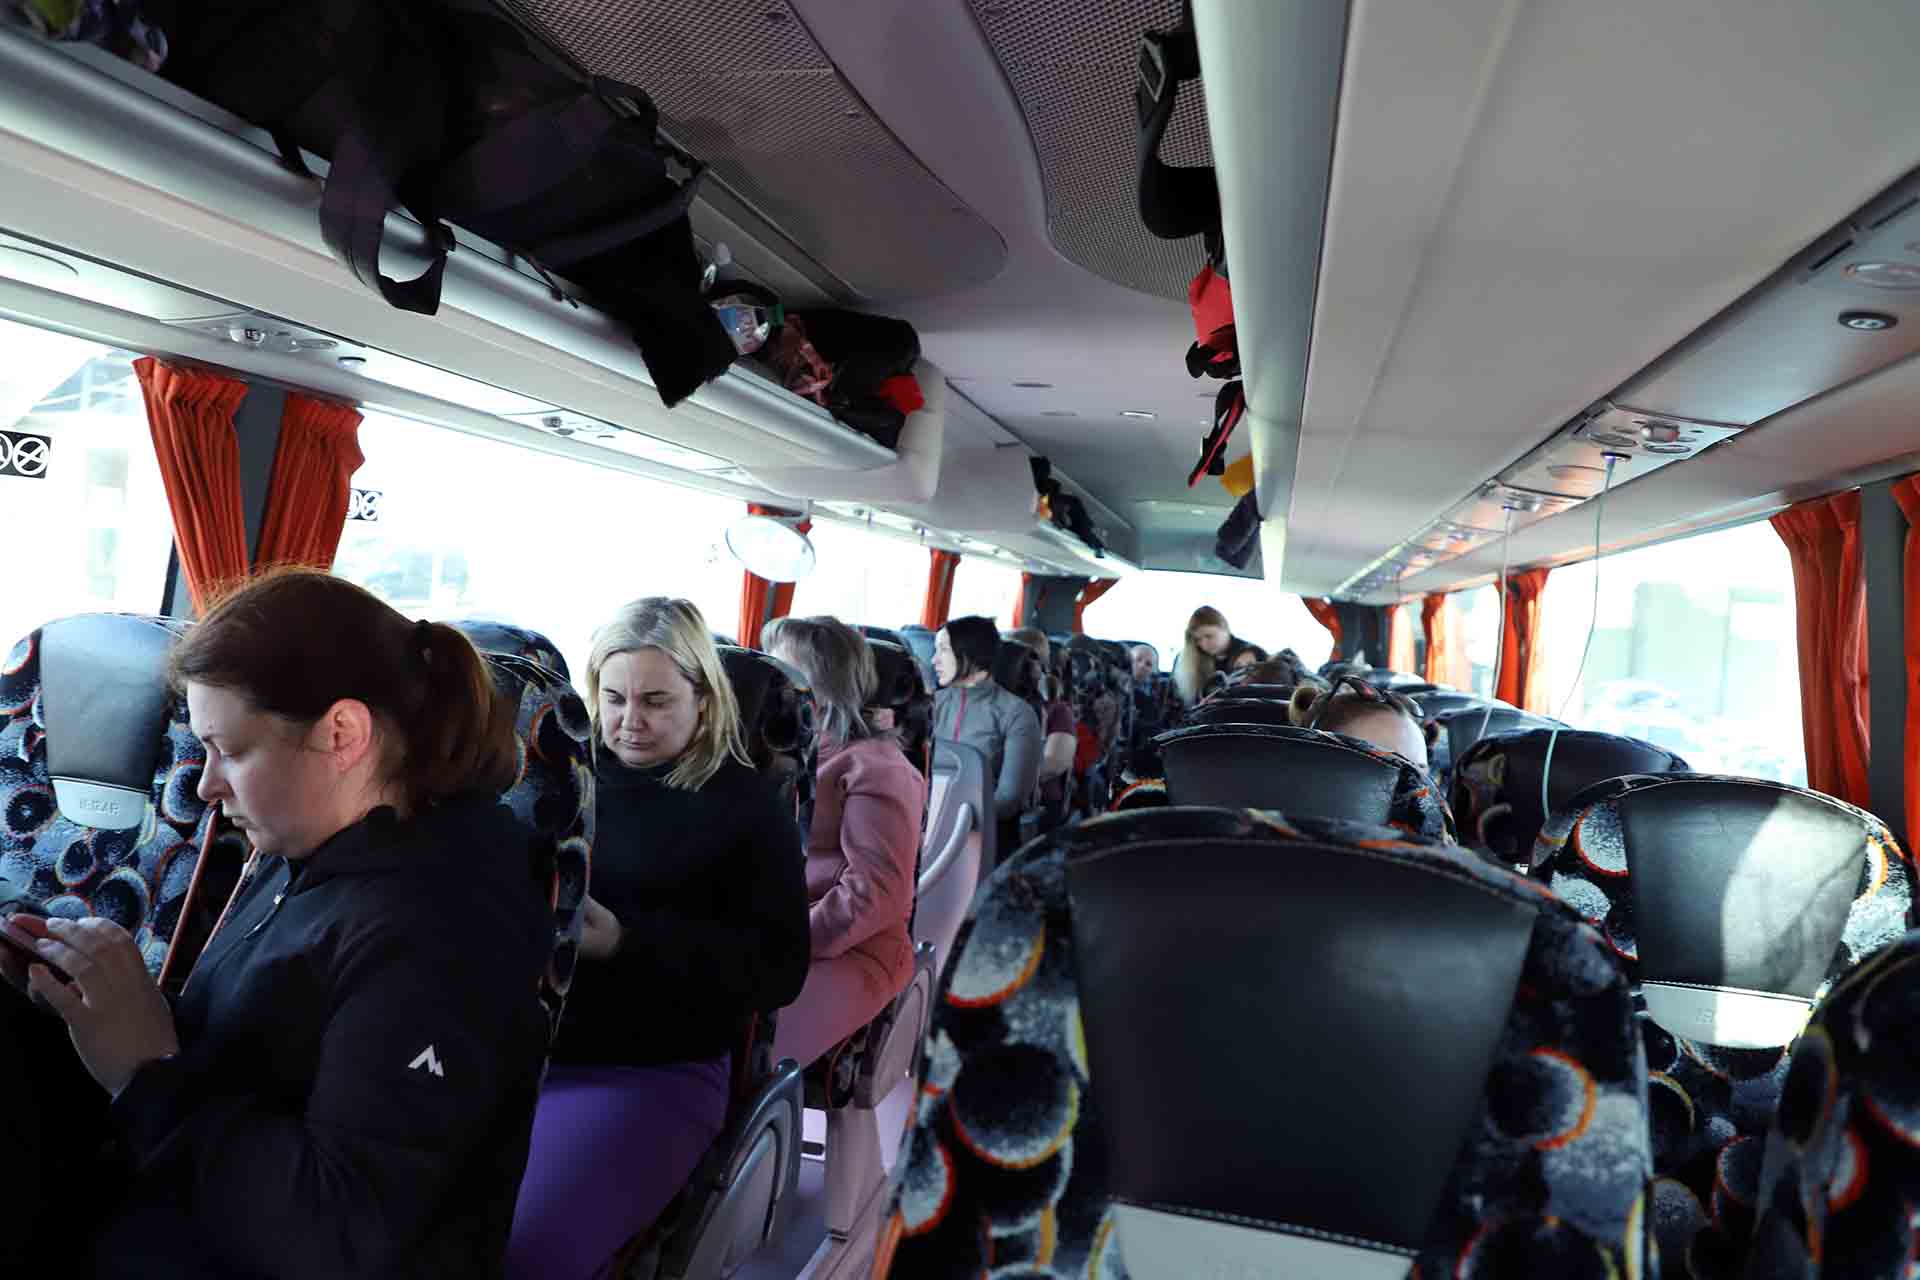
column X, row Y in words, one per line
column 863, row 847
column 971, row 709
column 697, row 920
column 346, row 1083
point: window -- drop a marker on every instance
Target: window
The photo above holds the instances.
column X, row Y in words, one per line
column 1478, row 621
column 1694, row 648
column 1154, row 607
column 863, row 578
column 89, row 515
column 985, row 587
column 476, row 528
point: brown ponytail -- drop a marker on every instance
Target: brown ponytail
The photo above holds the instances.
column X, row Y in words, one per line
column 296, row 641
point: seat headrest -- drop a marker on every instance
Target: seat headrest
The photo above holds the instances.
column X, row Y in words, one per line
column 1299, row 771
column 1734, row 900
column 1495, row 791
column 1264, row 692
column 900, row 681
column 1461, row 727
column 1440, row 701
column 887, row 634
column 502, row 637
column 1231, row 709
column 776, row 702
column 105, row 705
column 1016, row 669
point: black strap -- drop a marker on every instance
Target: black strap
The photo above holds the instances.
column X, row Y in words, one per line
column 353, row 222
column 1230, row 406
column 561, row 251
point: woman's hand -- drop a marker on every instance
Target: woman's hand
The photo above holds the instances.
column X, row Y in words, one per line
column 115, row 1014
column 600, row 931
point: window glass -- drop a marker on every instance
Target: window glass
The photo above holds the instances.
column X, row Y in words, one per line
column 89, row 513
column 1694, row 649
column 474, row 528
column 863, row 578
column 1478, row 621
column 1154, row 607
column 985, row 587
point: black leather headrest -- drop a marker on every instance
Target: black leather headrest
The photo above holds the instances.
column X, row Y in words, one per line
column 1461, row 728
column 1741, row 884
column 501, row 637
column 106, row 706
column 776, row 702
column 1265, row 692
column 1300, row 771
column 1323, row 1021
column 1496, row 785
column 1440, row 701
column 1229, row 708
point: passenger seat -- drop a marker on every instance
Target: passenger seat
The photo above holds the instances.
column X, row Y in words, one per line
column 1461, row 727
column 1306, row 772
column 1736, row 904
column 1200, row 1042
column 1495, row 795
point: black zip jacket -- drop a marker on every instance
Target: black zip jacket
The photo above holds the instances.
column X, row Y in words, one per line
column 361, row 1049
column 710, row 889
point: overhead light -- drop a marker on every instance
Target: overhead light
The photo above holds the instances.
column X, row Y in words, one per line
column 1142, row 414
column 1885, row 275
column 1868, row 321
column 1034, row 386
column 770, row 548
column 1659, row 433
column 1058, row 413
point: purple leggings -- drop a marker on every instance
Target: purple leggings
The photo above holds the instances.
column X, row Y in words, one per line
column 611, row 1147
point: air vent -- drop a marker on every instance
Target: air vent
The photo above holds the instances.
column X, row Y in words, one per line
column 1824, row 251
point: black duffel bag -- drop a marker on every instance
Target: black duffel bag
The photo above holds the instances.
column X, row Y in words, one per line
column 446, row 108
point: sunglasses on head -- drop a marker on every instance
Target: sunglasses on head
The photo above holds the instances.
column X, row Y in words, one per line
column 1367, row 692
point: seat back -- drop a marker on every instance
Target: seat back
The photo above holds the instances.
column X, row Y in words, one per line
column 904, row 692
column 1735, row 903
column 99, row 778
column 777, row 717
column 1439, row 702
column 504, row 637
column 1298, row 1108
column 1495, row 790
column 1306, row 772
column 1263, row 692
column 1842, row 1162
column 958, row 847
column 552, row 795
column 1229, row 708
column 1461, row 727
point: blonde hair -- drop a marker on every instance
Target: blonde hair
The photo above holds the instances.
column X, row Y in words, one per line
column 677, row 629
column 1197, row 666
column 839, row 663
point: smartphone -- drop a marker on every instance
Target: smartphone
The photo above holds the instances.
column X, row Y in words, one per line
column 27, row 906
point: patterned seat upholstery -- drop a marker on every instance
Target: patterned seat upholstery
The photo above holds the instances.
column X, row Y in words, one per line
column 1306, row 772
column 1479, row 1122
column 1842, row 1170
column 554, row 796
column 1735, row 903
column 1461, row 727
column 502, row 637
column 99, row 775
column 776, row 708
column 1495, row 794
column 909, row 697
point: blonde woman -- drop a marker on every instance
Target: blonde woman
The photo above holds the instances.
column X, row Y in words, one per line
column 1211, row 646
column 862, row 850
column 697, row 920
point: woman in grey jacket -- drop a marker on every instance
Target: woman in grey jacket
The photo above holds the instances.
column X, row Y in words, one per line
column 970, row 708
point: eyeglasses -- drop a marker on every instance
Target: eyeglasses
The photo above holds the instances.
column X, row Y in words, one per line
column 1368, row 692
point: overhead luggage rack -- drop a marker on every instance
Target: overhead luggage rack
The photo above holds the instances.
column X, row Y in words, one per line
column 107, row 165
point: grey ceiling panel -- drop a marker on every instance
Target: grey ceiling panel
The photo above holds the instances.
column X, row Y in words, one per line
column 743, row 86
column 1071, row 64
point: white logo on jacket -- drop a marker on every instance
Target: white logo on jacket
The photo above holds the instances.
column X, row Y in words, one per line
column 428, row 1061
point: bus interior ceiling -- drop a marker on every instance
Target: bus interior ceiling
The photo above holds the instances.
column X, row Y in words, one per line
column 1513, row 239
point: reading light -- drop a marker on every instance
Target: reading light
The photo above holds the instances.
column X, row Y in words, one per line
column 1868, row 321
column 1142, row 414
column 770, row 548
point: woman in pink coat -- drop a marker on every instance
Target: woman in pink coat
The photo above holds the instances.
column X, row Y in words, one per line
column 863, row 847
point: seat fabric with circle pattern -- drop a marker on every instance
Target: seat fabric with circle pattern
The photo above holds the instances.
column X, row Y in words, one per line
column 140, row 877
column 1011, row 1168
column 778, row 720
column 1841, row 1175
column 1729, row 900
column 1495, row 792
column 504, row 637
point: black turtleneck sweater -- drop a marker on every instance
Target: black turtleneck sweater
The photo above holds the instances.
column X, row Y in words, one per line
column 710, row 888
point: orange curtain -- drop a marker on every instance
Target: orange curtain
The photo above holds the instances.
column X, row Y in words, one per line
column 760, row 600
column 1439, row 636
column 941, row 567
column 1323, row 613
column 190, row 415
column 1399, row 639
column 1823, row 541
column 1522, row 678
column 313, row 470
column 1020, row 605
column 1906, row 491
column 1088, row 594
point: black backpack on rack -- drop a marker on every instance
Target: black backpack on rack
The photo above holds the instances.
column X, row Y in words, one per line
column 452, row 111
